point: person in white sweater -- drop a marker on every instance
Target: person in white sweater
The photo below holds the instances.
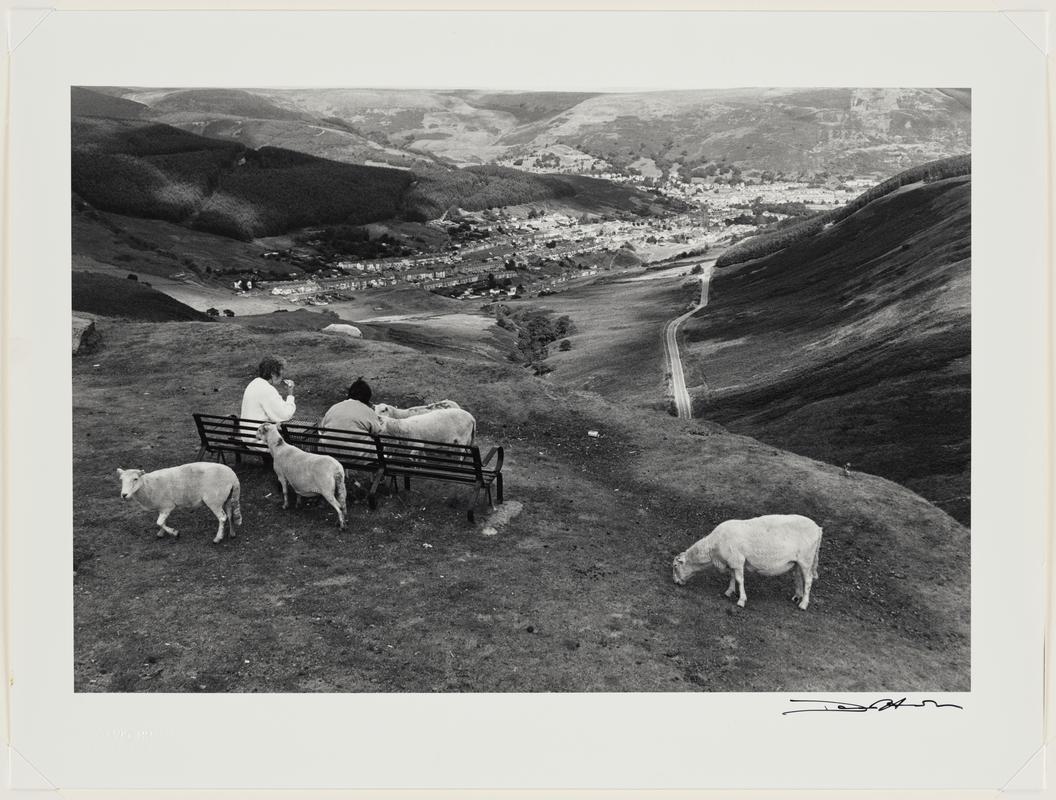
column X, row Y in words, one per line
column 262, row 401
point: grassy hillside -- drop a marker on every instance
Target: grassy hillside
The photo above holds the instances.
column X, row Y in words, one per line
column 478, row 188
column 230, row 102
column 574, row 593
column 771, row 241
column 853, row 345
column 151, row 170
column 130, row 299
column 158, row 171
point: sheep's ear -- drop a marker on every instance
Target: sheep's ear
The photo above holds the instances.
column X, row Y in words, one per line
column 120, row 472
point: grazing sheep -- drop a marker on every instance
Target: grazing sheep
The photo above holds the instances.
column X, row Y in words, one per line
column 770, row 545
column 447, row 425
column 186, row 486
column 308, row 474
column 385, row 410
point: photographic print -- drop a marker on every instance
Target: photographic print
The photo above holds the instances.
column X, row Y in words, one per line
column 394, row 390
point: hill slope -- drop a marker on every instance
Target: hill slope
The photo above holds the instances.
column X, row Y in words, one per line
column 153, row 170
column 854, row 345
column 129, row 299
column 572, row 594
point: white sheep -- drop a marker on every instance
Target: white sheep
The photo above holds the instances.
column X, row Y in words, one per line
column 308, row 474
column 447, row 425
column 770, row 545
column 186, row 486
column 385, row 410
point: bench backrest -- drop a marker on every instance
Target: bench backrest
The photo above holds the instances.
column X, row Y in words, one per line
column 229, row 433
column 415, row 457
column 354, row 449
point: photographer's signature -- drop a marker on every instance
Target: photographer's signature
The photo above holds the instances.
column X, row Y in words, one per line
column 885, row 704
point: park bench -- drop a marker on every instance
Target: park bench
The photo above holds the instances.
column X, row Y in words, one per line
column 220, row 436
column 384, row 457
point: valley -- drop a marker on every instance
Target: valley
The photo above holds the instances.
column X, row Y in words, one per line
column 670, row 309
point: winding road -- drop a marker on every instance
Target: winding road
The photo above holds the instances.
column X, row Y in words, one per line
column 674, row 361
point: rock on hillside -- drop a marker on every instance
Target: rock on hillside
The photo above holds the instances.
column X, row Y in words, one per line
column 85, row 335
column 854, row 345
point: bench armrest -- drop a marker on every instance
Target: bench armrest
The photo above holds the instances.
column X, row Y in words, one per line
column 491, row 454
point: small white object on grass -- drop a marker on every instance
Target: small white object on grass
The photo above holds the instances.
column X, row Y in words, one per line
column 594, row 434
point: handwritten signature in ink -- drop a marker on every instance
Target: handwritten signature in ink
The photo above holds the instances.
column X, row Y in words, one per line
column 885, row 704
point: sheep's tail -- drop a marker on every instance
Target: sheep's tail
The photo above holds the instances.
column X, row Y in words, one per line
column 817, row 549
column 232, row 506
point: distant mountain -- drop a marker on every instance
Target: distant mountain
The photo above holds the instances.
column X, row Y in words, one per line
column 88, row 103
column 786, row 131
column 853, row 345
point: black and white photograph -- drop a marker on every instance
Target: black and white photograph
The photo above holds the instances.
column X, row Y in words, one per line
column 512, row 391
column 525, row 399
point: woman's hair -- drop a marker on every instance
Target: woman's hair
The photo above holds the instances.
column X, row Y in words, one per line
column 270, row 366
column 360, row 390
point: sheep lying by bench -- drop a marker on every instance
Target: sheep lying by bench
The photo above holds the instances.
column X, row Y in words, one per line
column 186, row 486
column 308, row 474
column 770, row 545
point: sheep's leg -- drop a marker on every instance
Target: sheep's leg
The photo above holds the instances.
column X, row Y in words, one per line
column 162, row 527
column 797, row 574
column 808, row 578
column 221, row 516
column 285, row 492
column 733, row 585
column 738, row 574
column 329, row 497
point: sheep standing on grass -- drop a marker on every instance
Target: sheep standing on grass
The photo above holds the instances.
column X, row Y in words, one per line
column 308, row 474
column 447, row 425
column 770, row 545
column 385, row 410
column 186, row 486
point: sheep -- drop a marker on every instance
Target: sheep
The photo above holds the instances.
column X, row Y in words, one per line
column 447, row 425
column 770, row 545
column 385, row 410
column 308, row 474
column 186, row 486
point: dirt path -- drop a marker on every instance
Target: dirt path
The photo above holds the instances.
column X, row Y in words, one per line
column 674, row 361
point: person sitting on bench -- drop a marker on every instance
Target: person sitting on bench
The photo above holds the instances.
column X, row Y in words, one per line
column 355, row 413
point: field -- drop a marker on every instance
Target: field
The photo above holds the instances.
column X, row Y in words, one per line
column 566, row 588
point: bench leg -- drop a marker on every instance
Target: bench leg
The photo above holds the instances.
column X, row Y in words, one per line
column 498, row 488
column 372, row 494
column 407, row 482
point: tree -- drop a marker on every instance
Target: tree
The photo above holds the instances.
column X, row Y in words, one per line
column 212, row 312
column 228, row 312
column 565, row 345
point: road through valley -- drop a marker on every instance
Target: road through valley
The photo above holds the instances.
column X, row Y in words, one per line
column 674, row 360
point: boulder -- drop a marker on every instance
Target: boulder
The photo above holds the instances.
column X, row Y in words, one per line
column 85, row 335
column 347, row 330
